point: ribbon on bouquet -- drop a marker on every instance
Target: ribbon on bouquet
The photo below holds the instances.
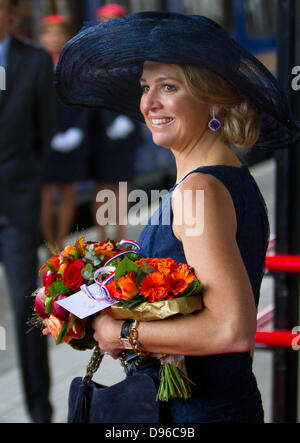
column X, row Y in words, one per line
column 97, row 293
column 131, row 243
column 104, row 292
column 111, row 270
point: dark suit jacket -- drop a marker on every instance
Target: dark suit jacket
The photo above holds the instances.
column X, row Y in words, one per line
column 27, row 124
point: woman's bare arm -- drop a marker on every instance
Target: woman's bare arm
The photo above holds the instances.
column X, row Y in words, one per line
column 228, row 322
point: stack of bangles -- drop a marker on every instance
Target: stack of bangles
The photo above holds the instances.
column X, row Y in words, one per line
column 129, row 337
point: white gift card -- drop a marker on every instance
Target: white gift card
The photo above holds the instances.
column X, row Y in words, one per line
column 83, row 305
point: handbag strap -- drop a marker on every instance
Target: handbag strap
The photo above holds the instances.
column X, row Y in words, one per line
column 94, row 364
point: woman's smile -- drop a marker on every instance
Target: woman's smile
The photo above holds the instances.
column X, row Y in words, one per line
column 161, row 122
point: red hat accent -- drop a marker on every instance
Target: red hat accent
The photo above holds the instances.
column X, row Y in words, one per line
column 112, row 9
column 55, row 19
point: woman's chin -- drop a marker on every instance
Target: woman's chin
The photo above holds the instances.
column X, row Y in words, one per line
column 162, row 141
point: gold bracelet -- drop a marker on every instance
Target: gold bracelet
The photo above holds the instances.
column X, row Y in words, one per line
column 133, row 338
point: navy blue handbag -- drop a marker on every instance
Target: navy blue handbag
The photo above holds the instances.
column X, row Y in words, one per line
column 132, row 400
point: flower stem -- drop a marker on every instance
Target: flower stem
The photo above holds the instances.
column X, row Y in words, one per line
column 173, row 383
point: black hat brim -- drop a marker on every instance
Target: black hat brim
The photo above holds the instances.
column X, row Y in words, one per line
column 102, row 65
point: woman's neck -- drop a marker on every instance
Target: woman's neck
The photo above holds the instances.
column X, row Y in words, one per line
column 217, row 154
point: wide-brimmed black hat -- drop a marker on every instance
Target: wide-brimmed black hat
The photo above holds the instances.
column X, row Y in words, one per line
column 102, row 65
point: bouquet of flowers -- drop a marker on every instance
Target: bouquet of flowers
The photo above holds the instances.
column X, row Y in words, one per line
column 102, row 276
column 63, row 275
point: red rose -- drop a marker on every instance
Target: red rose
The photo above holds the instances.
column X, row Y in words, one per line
column 72, row 276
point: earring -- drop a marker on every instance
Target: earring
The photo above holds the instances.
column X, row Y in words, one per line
column 214, row 124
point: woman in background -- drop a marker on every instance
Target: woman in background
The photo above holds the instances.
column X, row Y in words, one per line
column 66, row 163
column 114, row 141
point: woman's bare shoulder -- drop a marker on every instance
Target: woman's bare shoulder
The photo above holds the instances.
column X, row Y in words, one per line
column 214, row 196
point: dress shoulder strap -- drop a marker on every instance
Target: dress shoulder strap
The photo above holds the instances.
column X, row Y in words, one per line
column 208, row 169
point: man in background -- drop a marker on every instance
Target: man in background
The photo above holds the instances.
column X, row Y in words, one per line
column 27, row 118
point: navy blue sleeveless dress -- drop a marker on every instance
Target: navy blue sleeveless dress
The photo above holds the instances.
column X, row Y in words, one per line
column 226, row 388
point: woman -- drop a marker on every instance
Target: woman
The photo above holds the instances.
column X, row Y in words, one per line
column 200, row 93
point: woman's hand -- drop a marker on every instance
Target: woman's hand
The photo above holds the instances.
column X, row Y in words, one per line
column 107, row 333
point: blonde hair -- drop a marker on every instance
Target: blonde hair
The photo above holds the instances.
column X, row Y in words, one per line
column 239, row 117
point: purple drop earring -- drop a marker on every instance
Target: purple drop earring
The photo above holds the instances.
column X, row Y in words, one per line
column 214, row 124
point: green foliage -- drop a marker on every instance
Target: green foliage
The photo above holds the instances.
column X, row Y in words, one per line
column 58, row 287
column 73, row 323
column 133, row 257
column 144, row 269
column 50, row 266
column 63, row 332
column 129, row 304
column 88, row 272
column 124, row 268
column 195, row 287
column 91, row 257
column 48, row 304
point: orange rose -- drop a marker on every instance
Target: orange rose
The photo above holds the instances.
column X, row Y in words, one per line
column 62, row 268
column 53, row 326
column 105, row 248
column 54, row 261
column 128, row 287
column 65, row 260
column 114, row 293
column 69, row 250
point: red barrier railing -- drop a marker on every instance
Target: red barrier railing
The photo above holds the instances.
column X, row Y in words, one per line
column 277, row 338
column 283, row 263
column 282, row 339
